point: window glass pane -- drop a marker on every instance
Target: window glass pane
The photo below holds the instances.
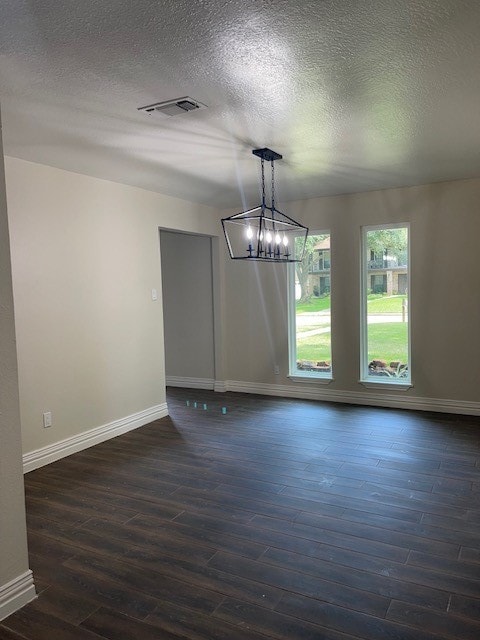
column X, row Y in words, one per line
column 385, row 350
column 310, row 333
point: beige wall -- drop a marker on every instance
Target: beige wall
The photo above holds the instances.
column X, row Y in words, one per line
column 256, row 321
column 444, row 305
column 187, row 305
column 13, row 540
column 85, row 257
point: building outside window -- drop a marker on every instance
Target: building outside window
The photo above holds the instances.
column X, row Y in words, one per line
column 310, row 310
column 385, row 322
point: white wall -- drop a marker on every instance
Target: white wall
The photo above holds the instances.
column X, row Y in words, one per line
column 444, row 304
column 85, row 257
column 16, row 586
column 188, row 306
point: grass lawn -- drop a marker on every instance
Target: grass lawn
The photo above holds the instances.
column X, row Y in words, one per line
column 385, row 304
column 314, row 347
column 386, row 341
column 377, row 303
column 315, row 304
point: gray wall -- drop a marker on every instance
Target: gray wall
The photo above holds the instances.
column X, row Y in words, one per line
column 444, row 301
column 187, row 305
column 13, row 539
column 85, row 258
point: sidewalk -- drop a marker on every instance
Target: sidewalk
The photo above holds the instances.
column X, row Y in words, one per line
column 305, row 320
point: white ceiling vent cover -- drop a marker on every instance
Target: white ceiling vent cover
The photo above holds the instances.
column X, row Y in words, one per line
column 173, row 107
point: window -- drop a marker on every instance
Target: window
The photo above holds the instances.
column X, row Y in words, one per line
column 385, row 338
column 309, row 310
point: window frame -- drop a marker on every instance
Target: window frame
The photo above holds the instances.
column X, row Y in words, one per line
column 365, row 379
column 293, row 373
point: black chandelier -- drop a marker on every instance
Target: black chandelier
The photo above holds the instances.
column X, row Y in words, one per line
column 264, row 233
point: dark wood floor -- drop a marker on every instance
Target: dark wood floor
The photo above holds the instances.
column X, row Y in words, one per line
column 282, row 519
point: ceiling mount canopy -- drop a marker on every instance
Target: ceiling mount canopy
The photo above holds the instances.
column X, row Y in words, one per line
column 265, row 234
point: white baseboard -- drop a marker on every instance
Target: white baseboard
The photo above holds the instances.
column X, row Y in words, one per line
column 16, row 594
column 50, row 453
column 190, row 383
column 368, row 398
column 220, row 386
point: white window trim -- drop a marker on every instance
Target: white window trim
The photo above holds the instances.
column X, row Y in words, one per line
column 315, row 378
column 365, row 379
column 293, row 373
column 399, row 386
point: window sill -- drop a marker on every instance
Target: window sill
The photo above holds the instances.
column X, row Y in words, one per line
column 399, row 386
column 315, row 379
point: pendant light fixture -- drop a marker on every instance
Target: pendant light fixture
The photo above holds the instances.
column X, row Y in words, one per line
column 265, row 234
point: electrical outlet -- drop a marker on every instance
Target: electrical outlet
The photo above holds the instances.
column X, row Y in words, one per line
column 47, row 419
column 276, row 370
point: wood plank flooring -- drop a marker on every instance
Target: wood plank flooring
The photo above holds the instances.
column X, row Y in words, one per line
column 282, row 519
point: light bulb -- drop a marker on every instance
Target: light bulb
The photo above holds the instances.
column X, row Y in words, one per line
column 285, row 240
column 277, row 239
column 261, row 236
column 268, row 237
column 249, row 232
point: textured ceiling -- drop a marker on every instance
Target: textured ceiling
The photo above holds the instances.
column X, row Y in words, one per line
column 356, row 95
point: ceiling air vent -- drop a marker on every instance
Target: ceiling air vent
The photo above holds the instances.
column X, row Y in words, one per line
column 173, row 107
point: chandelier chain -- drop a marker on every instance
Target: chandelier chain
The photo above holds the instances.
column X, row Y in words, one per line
column 273, row 187
column 263, row 183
